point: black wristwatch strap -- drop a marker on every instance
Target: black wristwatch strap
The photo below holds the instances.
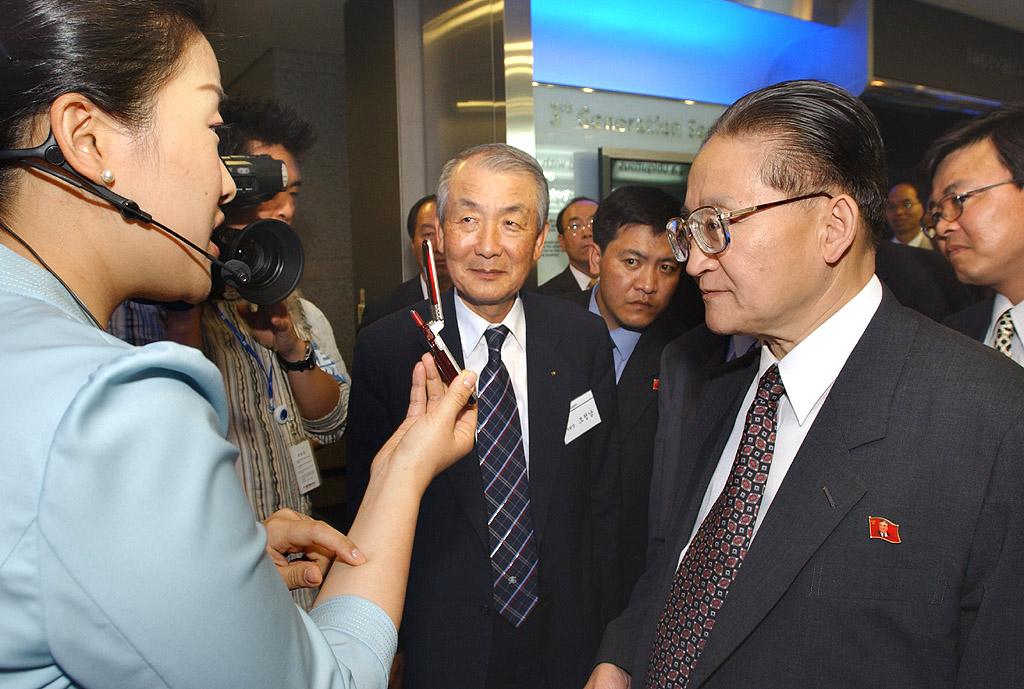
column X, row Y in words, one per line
column 307, row 363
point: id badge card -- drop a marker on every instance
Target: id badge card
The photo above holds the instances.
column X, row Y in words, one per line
column 583, row 416
column 304, row 462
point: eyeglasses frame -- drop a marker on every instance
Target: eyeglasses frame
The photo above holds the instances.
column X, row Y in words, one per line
column 682, row 251
column 575, row 233
column 932, row 231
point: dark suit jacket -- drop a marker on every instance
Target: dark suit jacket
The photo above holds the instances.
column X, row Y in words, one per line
column 563, row 283
column 923, row 427
column 974, row 320
column 403, row 296
column 686, row 364
column 574, row 490
column 638, row 391
column 920, row 279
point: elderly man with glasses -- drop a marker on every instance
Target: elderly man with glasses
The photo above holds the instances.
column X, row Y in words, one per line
column 844, row 508
column 976, row 214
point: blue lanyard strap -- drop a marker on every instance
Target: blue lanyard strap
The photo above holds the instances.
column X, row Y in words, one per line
column 269, row 373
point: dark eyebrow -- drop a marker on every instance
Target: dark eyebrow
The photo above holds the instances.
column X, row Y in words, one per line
column 634, row 253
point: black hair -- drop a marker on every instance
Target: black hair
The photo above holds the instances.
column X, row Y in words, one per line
column 263, row 121
column 1004, row 126
column 633, row 205
column 561, row 214
column 819, row 138
column 117, row 53
column 410, row 222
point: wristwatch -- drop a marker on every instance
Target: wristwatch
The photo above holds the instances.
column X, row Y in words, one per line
column 306, row 363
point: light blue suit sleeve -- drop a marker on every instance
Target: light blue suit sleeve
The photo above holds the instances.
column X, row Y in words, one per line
column 152, row 568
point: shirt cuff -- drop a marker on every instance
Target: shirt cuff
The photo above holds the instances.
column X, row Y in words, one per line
column 359, row 619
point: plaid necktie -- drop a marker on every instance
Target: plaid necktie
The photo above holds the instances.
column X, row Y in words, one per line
column 1004, row 334
column 716, row 553
column 506, row 488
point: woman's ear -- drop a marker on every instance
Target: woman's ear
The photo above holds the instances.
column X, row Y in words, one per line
column 85, row 136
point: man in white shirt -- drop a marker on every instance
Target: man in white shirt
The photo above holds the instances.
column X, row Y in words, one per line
column 767, row 565
column 976, row 212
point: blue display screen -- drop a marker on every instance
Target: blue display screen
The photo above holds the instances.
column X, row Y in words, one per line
column 706, row 50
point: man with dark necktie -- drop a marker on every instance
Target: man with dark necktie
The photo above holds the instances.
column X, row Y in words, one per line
column 768, row 566
column 514, row 566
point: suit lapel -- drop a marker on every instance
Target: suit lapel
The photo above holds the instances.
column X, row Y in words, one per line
column 724, row 392
column 464, row 475
column 635, row 389
column 548, row 388
column 821, row 486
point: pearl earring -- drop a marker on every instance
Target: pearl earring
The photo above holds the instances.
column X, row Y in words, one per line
column 107, row 176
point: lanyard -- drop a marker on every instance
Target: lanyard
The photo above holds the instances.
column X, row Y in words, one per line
column 280, row 414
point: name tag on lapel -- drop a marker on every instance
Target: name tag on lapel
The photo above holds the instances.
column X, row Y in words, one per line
column 583, row 416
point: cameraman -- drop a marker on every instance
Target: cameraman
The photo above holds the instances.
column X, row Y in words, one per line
column 286, row 382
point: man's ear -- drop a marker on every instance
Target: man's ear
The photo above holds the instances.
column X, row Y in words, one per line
column 84, row 133
column 840, row 228
column 593, row 259
column 538, row 243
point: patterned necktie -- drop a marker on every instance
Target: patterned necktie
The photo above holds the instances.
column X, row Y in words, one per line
column 1004, row 334
column 506, row 488
column 714, row 557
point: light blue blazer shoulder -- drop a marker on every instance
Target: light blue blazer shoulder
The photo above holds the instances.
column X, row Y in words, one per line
column 129, row 556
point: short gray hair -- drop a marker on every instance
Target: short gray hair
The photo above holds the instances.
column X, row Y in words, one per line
column 496, row 157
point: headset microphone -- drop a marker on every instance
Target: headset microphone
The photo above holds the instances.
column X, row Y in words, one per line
column 277, row 252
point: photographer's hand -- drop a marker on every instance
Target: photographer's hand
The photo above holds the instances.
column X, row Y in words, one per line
column 316, row 392
column 272, row 327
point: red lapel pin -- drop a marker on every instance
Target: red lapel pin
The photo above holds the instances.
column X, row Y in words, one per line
column 884, row 529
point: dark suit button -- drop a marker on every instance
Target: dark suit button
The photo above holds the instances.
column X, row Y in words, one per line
column 485, row 609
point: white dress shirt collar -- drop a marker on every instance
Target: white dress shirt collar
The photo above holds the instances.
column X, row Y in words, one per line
column 582, row 279
column 813, row 365
column 472, row 326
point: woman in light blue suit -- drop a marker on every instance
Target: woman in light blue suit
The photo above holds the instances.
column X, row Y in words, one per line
column 129, row 556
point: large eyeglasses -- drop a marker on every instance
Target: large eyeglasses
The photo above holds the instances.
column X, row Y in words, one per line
column 951, row 207
column 709, row 226
column 577, row 228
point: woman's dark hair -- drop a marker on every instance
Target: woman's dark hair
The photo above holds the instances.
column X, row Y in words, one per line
column 820, row 138
column 117, row 53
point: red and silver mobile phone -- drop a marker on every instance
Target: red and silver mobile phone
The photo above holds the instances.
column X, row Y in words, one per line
column 446, row 364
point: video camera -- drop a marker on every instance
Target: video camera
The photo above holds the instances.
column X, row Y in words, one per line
column 257, row 178
column 270, row 249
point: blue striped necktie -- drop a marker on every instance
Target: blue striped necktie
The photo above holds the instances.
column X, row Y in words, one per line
column 506, row 488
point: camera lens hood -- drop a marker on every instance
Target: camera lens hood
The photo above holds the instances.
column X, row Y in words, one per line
column 272, row 251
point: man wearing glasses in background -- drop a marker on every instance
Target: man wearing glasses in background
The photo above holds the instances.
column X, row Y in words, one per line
column 575, row 224
column 903, row 211
column 976, row 212
column 847, row 509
